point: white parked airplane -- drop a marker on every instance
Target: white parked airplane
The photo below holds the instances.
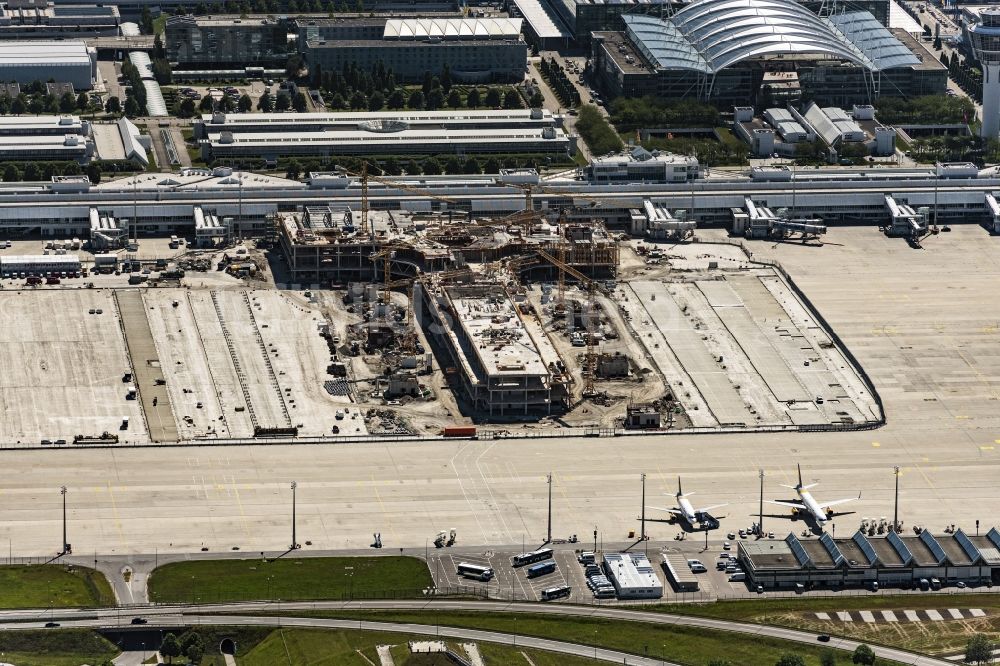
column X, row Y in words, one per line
column 693, row 517
column 820, row 511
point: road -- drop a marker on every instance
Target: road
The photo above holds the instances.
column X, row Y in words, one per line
column 283, row 615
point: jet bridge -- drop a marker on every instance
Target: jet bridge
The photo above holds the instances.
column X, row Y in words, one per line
column 993, row 208
column 762, row 222
column 904, row 220
column 656, row 222
column 105, row 232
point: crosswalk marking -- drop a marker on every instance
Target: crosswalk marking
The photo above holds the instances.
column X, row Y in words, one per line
column 933, row 615
column 977, row 612
column 889, row 616
column 955, row 614
column 822, row 616
column 911, row 616
column 867, row 616
column 844, row 617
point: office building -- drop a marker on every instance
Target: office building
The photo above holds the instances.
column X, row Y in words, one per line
column 69, row 61
column 24, row 19
column 984, row 35
column 220, row 42
column 633, row 576
column 473, row 50
column 847, row 58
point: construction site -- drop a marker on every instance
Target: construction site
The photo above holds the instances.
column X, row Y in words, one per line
column 356, row 323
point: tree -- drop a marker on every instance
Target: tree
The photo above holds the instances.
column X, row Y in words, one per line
column 36, row 105
column 194, row 653
column 293, row 170
column 428, row 82
column 282, row 102
column 446, row 79
column 207, row 104
column 82, row 102
column 435, row 99
column 471, row 166
column 979, row 649
column 453, row 165
column 473, row 99
column 245, row 104
column 537, row 101
column 455, row 99
column 511, row 100
column 67, row 103
column 412, row 168
column 299, row 103
column 720, row 662
column 11, row 174
column 158, row 51
column 72, row 169
column 170, row 648
column 491, row 165
column 492, row 98
column 396, row 100
column 416, row 100
column 186, row 108
column 432, row 167
column 93, row 173
column 376, row 101
column 828, row 659
column 162, row 71
column 266, row 102
column 32, row 172
column 358, row 100
column 131, row 107
column 17, row 106
column 146, row 20
column 790, row 660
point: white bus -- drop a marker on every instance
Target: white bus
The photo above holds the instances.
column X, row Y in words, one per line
column 474, row 571
column 556, row 592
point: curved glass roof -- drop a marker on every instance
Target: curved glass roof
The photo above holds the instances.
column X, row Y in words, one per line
column 710, row 35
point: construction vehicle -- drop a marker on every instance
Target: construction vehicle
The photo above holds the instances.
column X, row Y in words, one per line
column 446, row 539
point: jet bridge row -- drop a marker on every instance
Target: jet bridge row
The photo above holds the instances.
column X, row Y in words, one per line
column 655, row 222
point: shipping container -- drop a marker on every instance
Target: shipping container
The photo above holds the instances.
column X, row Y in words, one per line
column 459, row 431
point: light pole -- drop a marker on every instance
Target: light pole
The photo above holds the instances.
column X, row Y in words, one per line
column 548, row 539
column 760, row 514
column 295, row 544
column 895, row 510
column 66, row 546
column 642, row 524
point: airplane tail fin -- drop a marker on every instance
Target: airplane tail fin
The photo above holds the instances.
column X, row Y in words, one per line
column 680, row 491
column 799, row 466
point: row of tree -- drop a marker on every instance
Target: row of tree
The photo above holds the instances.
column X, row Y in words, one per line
column 596, row 131
column 268, row 7
column 38, row 103
column 629, row 114
column 556, row 77
column 135, row 101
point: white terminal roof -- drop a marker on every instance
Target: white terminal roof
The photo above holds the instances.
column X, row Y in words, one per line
column 199, row 179
column 354, row 117
column 34, row 52
column 711, row 35
column 429, row 137
column 72, row 124
column 34, row 259
column 452, row 28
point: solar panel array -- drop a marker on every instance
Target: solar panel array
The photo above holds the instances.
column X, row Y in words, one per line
column 866, row 547
column 936, row 550
column 832, row 549
column 798, row 550
column 901, row 549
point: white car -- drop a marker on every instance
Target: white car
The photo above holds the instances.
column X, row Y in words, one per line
column 727, row 546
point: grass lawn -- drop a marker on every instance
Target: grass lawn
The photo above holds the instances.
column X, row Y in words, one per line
column 289, row 579
column 928, row 637
column 322, row 647
column 55, row 647
column 682, row 645
column 44, row 585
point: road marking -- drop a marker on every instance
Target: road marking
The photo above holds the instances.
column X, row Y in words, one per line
column 876, row 444
column 985, row 448
column 956, row 614
column 822, row 616
column 977, row 612
column 239, row 502
column 867, row 616
column 933, row 615
column 889, row 616
column 844, row 617
column 912, row 616
column 381, row 506
column 114, row 511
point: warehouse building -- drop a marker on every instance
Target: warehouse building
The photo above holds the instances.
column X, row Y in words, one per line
column 69, row 61
column 473, row 50
column 710, row 51
column 383, row 133
column 862, row 561
column 26, row 19
column 220, row 42
column 633, row 576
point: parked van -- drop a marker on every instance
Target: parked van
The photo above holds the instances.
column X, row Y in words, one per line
column 737, row 577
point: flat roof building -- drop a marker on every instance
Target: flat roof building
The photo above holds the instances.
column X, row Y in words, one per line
column 34, row 20
column 383, row 133
column 861, row 560
column 504, row 369
column 473, row 50
column 28, row 61
column 633, row 576
column 215, row 41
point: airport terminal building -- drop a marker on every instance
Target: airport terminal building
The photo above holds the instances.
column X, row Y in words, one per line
column 724, row 50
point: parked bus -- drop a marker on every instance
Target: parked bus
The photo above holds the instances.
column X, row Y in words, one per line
column 474, row 571
column 541, row 569
column 556, row 593
column 531, row 558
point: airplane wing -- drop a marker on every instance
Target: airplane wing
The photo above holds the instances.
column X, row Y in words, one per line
column 676, row 512
column 792, row 503
column 827, row 505
column 709, row 508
